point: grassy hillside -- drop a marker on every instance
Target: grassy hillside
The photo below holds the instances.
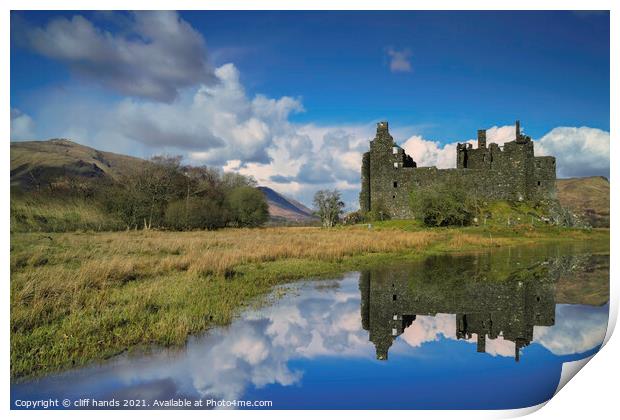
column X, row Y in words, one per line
column 588, row 197
column 35, row 164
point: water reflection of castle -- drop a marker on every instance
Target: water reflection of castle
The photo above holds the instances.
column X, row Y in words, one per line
column 488, row 299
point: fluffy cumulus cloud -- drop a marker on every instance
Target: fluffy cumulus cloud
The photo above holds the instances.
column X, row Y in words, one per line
column 579, row 151
column 311, row 157
column 430, row 153
column 213, row 124
column 399, row 60
column 22, row 126
column 155, row 54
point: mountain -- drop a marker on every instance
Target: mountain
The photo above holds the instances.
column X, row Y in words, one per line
column 36, row 163
column 588, row 197
column 284, row 209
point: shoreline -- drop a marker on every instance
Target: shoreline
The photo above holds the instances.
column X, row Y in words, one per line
column 79, row 298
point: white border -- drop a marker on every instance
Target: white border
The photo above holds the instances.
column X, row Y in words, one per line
column 593, row 394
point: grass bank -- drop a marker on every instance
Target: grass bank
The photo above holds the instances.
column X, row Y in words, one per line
column 45, row 213
column 79, row 297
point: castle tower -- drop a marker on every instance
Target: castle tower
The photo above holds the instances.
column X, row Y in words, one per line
column 482, row 139
column 383, row 130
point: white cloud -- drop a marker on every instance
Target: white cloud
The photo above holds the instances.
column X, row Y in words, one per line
column 430, row 153
column 579, row 151
column 22, row 126
column 154, row 56
column 400, row 61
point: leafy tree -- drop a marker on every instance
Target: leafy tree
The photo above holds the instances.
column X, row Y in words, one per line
column 162, row 193
column 248, row 206
column 232, row 180
column 443, row 204
column 329, row 206
column 155, row 186
column 195, row 213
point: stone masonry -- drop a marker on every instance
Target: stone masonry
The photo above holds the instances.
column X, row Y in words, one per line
column 509, row 172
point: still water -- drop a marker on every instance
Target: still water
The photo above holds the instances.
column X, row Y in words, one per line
column 484, row 331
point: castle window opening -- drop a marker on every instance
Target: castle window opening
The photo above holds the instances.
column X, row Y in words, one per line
column 393, row 196
column 395, row 150
column 539, row 183
column 394, row 331
column 393, row 297
column 396, row 164
column 395, row 184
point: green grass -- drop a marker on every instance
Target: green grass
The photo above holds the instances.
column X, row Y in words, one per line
column 42, row 213
column 80, row 297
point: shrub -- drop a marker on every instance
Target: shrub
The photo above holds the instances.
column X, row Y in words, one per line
column 444, row 204
column 354, row 218
column 194, row 213
column 248, row 206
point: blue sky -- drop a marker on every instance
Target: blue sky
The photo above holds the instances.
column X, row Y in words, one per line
column 298, row 85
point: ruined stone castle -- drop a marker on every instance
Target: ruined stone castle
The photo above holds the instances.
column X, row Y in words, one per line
column 493, row 172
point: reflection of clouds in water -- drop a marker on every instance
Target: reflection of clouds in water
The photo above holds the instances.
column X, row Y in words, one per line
column 315, row 322
column 577, row 329
column 256, row 349
column 499, row 347
column 430, row 328
column 427, row 329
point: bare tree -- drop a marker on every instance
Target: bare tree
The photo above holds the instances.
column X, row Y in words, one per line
column 329, row 206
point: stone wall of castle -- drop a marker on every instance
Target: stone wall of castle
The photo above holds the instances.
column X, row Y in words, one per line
column 511, row 172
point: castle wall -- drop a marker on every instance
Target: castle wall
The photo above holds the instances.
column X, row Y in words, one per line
column 365, row 188
column 513, row 173
column 543, row 182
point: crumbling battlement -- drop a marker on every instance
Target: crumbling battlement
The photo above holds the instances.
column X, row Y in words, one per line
column 511, row 172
